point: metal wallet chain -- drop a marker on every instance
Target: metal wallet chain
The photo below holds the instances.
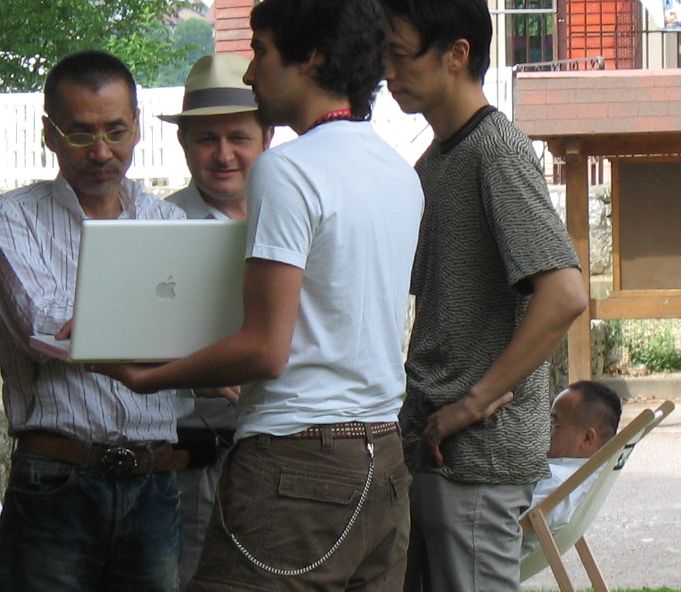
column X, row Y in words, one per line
column 308, row 568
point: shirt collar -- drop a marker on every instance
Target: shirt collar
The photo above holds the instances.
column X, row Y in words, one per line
column 197, row 208
column 460, row 135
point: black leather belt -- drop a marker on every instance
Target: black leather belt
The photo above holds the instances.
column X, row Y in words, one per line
column 223, row 435
column 202, row 445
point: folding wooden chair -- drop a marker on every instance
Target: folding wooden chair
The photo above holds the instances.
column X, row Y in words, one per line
column 612, row 456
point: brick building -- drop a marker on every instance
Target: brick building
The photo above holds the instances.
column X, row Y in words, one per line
column 232, row 32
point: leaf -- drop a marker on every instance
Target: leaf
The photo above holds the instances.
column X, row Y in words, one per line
column 35, row 35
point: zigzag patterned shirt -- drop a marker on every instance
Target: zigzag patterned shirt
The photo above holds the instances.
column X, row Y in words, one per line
column 488, row 225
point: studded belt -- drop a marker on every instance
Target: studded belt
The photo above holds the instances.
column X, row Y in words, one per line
column 116, row 461
column 352, row 429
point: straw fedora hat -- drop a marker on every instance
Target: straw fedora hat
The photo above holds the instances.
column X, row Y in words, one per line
column 215, row 87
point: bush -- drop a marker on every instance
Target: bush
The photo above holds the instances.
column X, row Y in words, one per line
column 638, row 346
column 653, row 347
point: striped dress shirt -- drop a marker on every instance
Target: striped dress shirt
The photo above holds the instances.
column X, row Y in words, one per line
column 40, row 228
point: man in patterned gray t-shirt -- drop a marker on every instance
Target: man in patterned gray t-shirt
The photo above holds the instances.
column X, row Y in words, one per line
column 497, row 285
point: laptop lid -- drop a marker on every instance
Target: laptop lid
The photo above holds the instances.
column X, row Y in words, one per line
column 153, row 290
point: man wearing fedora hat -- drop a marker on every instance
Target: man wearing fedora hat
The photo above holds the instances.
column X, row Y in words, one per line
column 221, row 137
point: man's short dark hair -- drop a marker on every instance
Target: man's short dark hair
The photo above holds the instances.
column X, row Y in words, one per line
column 442, row 22
column 348, row 33
column 600, row 406
column 91, row 69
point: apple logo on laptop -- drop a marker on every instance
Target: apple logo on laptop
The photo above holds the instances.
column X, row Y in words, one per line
column 166, row 290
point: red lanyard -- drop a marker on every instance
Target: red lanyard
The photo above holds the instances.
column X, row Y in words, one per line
column 336, row 115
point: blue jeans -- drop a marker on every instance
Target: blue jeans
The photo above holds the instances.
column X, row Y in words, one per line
column 197, row 494
column 67, row 527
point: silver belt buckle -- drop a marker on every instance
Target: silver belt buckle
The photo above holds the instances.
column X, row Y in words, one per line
column 119, row 462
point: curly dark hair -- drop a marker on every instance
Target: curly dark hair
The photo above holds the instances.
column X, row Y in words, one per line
column 348, row 33
column 441, row 22
column 90, row 68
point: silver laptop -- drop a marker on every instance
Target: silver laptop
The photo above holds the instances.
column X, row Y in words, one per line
column 153, row 290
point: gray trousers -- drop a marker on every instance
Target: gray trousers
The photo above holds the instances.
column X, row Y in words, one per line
column 464, row 537
column 197, row 497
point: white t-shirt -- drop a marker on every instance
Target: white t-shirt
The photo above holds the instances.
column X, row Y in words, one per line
column 341, row 204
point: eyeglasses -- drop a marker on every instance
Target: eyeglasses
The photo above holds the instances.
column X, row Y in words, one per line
column 85, row 139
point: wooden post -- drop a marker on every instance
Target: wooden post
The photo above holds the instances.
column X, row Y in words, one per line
column 577, row 216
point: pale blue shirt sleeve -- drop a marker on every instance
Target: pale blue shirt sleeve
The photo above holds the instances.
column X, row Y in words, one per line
column 283, row 211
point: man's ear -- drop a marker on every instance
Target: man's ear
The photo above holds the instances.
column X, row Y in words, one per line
column 181, row 137
column 138, row 131
column 457, row 55
column 267, row 136
column 590, row 440
column 315, row 60
column 48, row 133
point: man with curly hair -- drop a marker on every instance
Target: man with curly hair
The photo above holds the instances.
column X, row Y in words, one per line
column 314, row 495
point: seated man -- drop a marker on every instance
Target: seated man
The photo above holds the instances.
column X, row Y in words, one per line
column 583, row 418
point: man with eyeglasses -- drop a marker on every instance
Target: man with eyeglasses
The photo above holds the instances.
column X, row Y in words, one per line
column 68, row 522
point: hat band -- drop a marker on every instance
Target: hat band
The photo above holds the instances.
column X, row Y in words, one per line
column 218, row 97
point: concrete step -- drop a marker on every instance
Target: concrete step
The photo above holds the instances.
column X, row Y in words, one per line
column 653, row 386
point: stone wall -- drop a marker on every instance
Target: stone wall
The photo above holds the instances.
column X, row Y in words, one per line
column 600, row 236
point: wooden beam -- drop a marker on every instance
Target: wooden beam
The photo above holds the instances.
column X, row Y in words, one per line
column 615, row 225
column 644, row 305
column 577, row 215
column 590, row 566
column 617, row 145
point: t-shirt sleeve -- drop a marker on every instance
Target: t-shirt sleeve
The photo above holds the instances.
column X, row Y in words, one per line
column 283, row 212
column 531, row 236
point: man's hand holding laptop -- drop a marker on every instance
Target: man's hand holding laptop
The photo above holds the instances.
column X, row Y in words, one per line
column 65, row 331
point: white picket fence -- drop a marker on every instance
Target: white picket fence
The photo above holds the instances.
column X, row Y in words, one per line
column 159, row 160
column 24, row 158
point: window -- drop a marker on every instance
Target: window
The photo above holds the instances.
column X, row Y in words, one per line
column 529, row 31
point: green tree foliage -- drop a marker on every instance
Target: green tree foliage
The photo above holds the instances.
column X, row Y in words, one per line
column 191, row 38
column 36, row 34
